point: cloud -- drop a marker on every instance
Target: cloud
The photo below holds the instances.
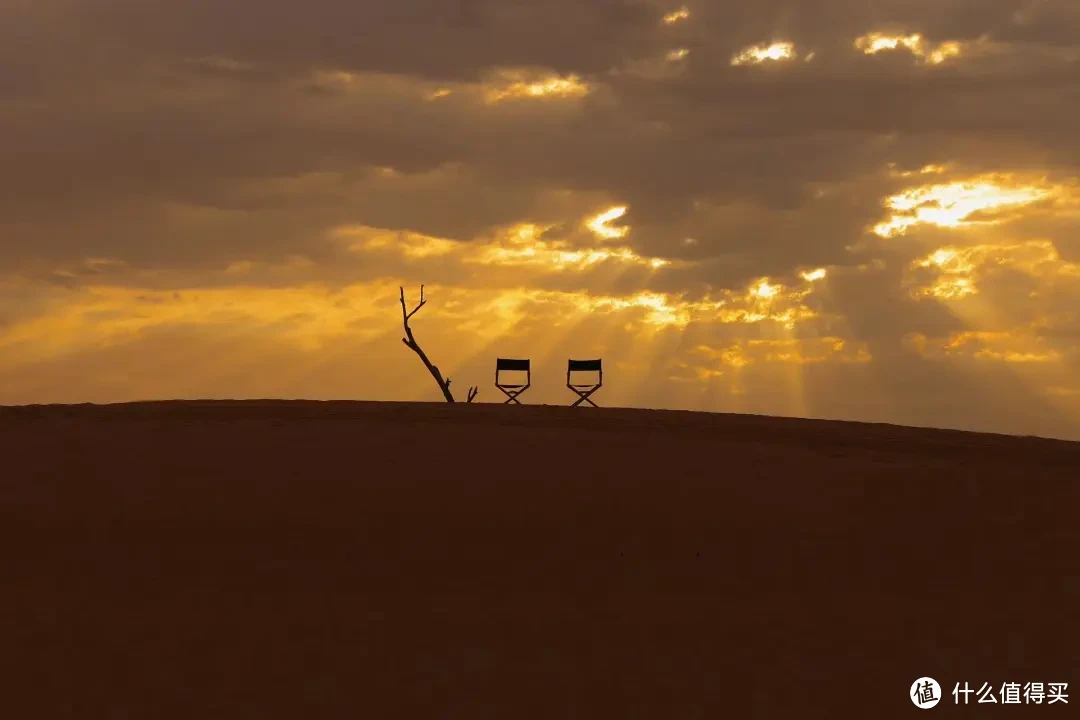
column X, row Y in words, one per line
column 757, row 54
column 859, row 210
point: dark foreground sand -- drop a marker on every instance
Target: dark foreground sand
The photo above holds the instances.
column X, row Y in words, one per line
column 358, row 560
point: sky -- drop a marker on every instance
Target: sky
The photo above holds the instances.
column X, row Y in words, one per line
column 850, row 209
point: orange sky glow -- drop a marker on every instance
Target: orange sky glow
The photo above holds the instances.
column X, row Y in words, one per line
column 740, row 210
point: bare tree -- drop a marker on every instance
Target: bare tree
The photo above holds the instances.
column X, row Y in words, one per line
column 410, row 342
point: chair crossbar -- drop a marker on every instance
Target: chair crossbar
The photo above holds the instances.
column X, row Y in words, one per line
column 584, row 396
column 512, row 394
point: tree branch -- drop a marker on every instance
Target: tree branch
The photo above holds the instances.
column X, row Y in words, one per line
column 410, row 342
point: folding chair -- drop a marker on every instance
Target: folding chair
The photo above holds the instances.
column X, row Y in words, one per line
column 512, row 391
column 584, row 391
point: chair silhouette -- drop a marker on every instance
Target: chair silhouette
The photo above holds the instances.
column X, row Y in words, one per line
column 512, row 391
column 584, row 391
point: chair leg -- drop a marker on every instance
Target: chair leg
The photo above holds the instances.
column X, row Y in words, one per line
column 584, row 397
column 511, row 395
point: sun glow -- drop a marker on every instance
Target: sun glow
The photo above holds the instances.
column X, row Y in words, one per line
column 943, row 52
column 957, row 204
column 516, row 85
column 599, row 224
column 519, row 245
column 525, row 246
column 798, row 351
column 876, row 42
column 951, row 288
column 765, row 290
column 661, row 310
column 549, row 255
column 412, row 245
column 1019, row 346
column 953, row 273
column 764, row 53
column 761, row 302
column 676, row 16
column 925, row 170
column 765, row 302
column 873, row 43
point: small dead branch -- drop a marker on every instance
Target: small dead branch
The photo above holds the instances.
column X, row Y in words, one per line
column 410, row 342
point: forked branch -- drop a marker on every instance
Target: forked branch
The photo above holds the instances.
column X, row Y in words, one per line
column 410, row 342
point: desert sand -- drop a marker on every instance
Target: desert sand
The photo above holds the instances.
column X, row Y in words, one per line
column 304, row 560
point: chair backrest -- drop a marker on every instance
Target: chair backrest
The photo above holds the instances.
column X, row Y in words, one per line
column 583, row 366
column 511, row 364
column 574, row 366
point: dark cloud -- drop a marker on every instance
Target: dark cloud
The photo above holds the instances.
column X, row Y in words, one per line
column 223, row 145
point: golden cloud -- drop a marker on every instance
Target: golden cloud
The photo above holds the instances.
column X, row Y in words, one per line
column 523, row 85
column 599, row 224
column 523, row 245
column 798, row 351
column 982, row 200
column 414, row 246
column 763, row 301
column 935, row 169
column 319, row 329
column 676, row 16
column 502, row 85
column 304, row 316
column 876, row 42
column 660, row 309
column 955, row 271
column 309, row 316
column 759, row 303
column 758, row 54
column 520, row 245
column 1018, row 346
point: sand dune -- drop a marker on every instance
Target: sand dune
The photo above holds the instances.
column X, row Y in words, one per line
column 300, row 559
